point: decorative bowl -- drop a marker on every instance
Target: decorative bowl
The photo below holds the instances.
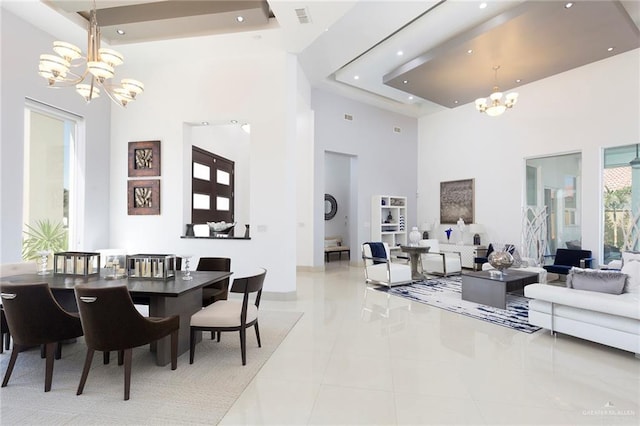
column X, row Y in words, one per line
column 220, row 228
column 500, row 260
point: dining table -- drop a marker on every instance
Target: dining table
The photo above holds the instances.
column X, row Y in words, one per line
column 172, row 296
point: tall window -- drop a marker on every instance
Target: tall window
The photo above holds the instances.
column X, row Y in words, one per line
column 50, row 165
column 212, row 186
column 621, row 199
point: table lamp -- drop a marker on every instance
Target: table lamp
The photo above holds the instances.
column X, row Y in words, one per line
column 476, row 229
column 425, row 228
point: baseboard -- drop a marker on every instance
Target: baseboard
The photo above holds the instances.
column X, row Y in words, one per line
column 306, row 268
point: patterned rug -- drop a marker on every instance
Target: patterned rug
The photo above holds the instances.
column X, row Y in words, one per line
column 445, row 293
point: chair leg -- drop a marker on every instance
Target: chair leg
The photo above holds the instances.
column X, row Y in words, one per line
column 174, row 350
column 50, row 350
column 243, row 345
column 257, row 334
column 58, row 350
column 85, row 371
column 128, row 353
column 213, row 335
column 7, row 340
column 219, row 333
column 192, row 345
column 120, row 357
column 106, row 355
column 12, row 362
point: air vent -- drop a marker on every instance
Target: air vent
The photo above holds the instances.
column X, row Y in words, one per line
column 348, row 117
column 397, row 130
column 303, row 15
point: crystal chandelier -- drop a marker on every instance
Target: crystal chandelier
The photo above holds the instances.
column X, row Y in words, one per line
column 495, row 106
column 91, row 75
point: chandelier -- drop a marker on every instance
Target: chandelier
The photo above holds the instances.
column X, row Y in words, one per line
column 495, row 106
column 92, row 74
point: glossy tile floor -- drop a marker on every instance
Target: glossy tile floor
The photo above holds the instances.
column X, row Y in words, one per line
column 358, row 356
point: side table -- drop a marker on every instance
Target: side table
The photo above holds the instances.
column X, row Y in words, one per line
column 414, row 253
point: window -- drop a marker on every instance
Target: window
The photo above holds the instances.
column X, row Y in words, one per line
column 51, row 183
column 212, row 186
column 621, row 200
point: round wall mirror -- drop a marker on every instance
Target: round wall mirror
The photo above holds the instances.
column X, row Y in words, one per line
column 330, row 207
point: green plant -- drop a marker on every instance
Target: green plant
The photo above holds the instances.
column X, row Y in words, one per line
column 45, row 235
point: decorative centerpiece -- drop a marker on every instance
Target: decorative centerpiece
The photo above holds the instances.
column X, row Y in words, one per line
column 500, row 260
column 151, row 266
column 76, row 263
column 448, row 232
column 220, row 229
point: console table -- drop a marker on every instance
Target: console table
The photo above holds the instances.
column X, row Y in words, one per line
column 467, row 252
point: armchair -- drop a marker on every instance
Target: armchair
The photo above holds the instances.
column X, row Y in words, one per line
column 565, row 259
column 379, row 269
column 440, row 263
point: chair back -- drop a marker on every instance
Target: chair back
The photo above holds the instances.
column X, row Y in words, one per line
column 432, row 243
column 570, row 257
column 216, row 264
column 109, row 318
column 366, row 251
column 248, row 285
column 34, row 316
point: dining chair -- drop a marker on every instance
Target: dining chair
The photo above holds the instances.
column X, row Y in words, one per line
column 5, row 336
column 231, row 315
column 35, row 318
column 216, row 291
column 112, row 323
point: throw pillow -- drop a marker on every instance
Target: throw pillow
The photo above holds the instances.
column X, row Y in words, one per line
column 331, row 243
column 632, row 270
column 612, row 282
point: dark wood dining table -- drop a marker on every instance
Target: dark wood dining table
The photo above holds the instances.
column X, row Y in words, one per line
column 173, row 296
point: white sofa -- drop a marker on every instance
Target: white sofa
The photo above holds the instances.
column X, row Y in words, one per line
column 609, row 319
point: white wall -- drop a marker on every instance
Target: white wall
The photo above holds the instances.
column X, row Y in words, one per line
column 337, row 175
column 19, row 80
column 383, row 162
column 259, row 88
column 585, row 109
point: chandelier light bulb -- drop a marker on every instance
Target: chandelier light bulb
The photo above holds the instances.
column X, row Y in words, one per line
column 100, row 70
column 67, row 50
column 133, row 86
column 111, row 57
column 85, row 91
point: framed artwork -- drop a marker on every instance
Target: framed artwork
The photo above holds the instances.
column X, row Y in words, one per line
column 456, row 201
column 143, row 196
column 144, row 158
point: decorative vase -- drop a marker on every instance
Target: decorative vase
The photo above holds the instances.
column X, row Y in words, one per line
column 189, row 232
column 500, row 260
column 414, row 236
column 389, row 218
column 246, row 231
column 448, row 232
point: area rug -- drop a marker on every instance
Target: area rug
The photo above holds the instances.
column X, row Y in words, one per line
column 198, row 393
column 445, row 293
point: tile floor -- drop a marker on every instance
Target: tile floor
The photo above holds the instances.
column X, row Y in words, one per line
column 358, row 356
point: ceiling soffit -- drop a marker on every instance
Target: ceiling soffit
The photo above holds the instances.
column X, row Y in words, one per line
column 529, row 42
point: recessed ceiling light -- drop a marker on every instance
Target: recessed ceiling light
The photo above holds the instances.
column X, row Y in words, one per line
column 518, row 80
column 234, row 121
column 326, row 29
column 610, row 49
column 400, row 53
column 483, row 5
column 470, row 51
column 205, row 123
column 410, row 98
column 568, row 5
column 455, row 102
column 356, row 77
column 120, row 31
column 405, row 81
column 240, row 18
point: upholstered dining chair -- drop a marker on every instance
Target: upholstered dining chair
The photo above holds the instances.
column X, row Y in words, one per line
column 440, row 263
column 231, row 315
column 216, row 291
column 5, row 335
column 378, row 267
column 35, row 318
column 112, row 323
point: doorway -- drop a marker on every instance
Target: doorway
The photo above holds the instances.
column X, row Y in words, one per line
column 338, row 184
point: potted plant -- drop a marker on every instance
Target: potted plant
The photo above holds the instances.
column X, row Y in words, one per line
column 44, row 236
